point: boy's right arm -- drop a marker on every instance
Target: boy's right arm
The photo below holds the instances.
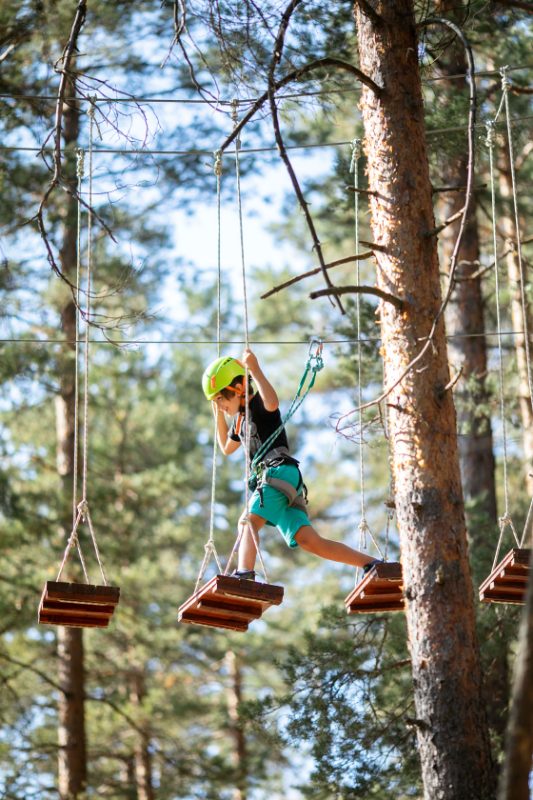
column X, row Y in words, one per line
column 226, row 444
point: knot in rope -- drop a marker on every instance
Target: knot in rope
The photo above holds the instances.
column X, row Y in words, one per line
column 83, row 508
column 506, row 83
column 489, row 141
column 356, row 153
column 505, row 520
column 92, row 107
column 80, row 163
column 217, row 166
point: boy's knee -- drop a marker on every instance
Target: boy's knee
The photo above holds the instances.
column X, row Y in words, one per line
column 305, row 537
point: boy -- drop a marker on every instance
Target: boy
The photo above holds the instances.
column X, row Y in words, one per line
column 223, row 384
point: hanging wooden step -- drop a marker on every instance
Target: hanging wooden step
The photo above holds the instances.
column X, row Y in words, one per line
column 77, row 605
column 228, row 602
column 507, row 583
column 381, row 589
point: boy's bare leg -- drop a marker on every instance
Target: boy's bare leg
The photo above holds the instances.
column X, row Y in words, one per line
column 247, row 546
column 310, row 540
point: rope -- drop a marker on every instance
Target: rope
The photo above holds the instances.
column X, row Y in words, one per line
column 363, row 527
column 505, row 519
column 209, row 547
column 82, row 509
column 506, row 85
column 245, row 523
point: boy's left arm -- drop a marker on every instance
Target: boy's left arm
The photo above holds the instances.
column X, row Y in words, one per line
column 264, row 387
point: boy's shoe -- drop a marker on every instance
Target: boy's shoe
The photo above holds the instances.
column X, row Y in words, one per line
column 368, row 567
column 243, row 574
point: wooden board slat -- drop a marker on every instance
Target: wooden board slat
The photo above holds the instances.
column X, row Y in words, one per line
column 77, row 605
column 81, row 592
column 194, row 618
column 381, row 589
column 56, row 607
column 229, row 602
column 73, row 621
column 507, row 583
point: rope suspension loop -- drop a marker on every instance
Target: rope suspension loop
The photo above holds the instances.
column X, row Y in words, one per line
column 505, row 519
column 364, row 529
column 244, row 523
column 209, row 547
column 81, row 510
column 506, row 85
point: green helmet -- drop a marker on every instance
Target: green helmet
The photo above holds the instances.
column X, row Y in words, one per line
column 220, row 374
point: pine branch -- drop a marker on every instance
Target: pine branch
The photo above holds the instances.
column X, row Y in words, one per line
column 348, row 260
column 385, row 296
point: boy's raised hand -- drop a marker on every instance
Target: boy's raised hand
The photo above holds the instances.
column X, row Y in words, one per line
column 249, row 360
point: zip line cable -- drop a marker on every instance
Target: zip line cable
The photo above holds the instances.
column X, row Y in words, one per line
column 303, row 343
column 247, row 150
column 246, row 101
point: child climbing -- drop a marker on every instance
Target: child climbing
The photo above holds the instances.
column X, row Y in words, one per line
column 278, row 497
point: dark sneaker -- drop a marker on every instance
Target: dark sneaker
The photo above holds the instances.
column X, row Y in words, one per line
column 244, row 574
column 368, row 567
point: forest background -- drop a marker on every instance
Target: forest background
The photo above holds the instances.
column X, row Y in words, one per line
column 309, row 702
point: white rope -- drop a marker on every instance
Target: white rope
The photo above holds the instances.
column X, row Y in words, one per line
column 506, row 85
column 82, row 508
column 247, row 345
column 364, row 529
column 209, row 547
column 505, row 519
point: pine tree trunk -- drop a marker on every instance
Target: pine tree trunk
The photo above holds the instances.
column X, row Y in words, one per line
column 467, row 351
column 72, row 767
column 506, row 226
column 143, row 759
column 450, row 719
column 234, row 695
column 514, row 784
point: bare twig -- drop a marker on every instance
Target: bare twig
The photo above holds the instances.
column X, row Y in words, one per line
column 348, row 260
column 336, row 290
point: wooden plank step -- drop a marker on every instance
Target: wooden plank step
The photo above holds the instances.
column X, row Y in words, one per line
column 57, row 607
column 81, row 593
column 73, row 621
column 77, row 605
column 229, row 602
column 507, row 583
column 192, row 618
column 381, row 589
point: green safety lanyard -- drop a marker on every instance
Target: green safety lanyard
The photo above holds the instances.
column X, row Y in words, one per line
column 314, row 364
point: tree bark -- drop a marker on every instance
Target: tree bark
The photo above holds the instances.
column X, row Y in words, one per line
column 143, row 758
column 506, row 226
column 450, row 719
column 464, row 317
column 72, row 767
column 234, row 696
column 514, row 783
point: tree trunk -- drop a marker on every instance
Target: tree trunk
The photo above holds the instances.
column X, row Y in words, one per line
column 506, row 226
column 239, row 750
column 464, row 317
column 450, row 718
column 143, row 758
column 72, row 767
column 514, row 784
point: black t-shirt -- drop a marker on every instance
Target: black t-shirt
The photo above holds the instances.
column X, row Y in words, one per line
column 263, row 423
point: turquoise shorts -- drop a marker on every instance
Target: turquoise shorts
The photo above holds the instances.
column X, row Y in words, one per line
column 276, row 509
